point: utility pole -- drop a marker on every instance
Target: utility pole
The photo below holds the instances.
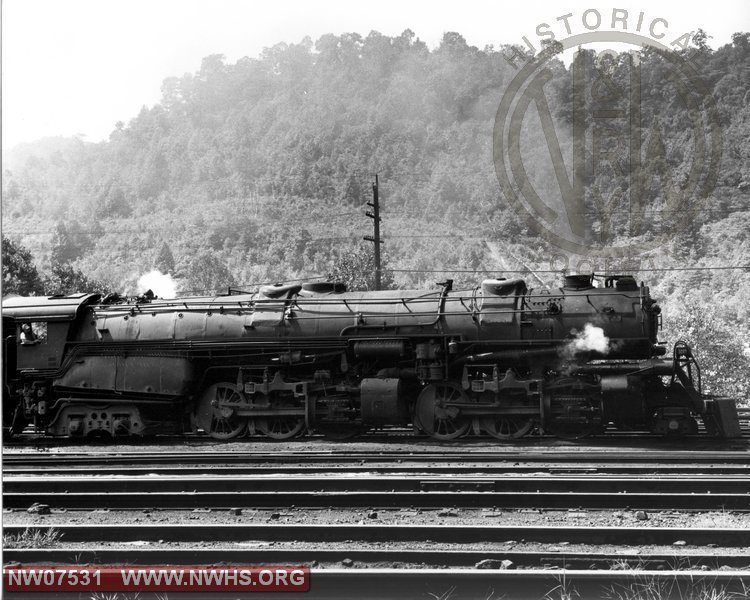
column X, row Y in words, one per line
column 375, row 238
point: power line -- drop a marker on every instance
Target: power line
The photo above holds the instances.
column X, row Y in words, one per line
column 728, row 209
column 160, row 229
column 389, row 215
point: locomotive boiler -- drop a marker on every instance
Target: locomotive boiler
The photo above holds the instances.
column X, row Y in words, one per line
column 498, row 359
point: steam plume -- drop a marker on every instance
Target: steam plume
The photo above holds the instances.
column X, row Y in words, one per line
column 591, row 339
column 162, row 285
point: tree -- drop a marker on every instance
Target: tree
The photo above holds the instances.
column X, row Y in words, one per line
column 20, row 276
column 207, row 274
column 64, row 249
column 357, row 270
column 114, row 203
column 718, row 340
column 64, row 279
column 164, row 260
column 700, row 39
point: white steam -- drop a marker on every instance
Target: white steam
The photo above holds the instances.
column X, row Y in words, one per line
column 161, row 285
column 591, row 339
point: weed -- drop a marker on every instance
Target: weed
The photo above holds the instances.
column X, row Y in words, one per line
column 654, row 588
column 445, row 595
column 564, row 590
column 32, row 538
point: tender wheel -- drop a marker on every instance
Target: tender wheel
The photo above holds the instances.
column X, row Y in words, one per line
column 508, row 427
column 280, row 428
column 435, row 417
column 215, row 413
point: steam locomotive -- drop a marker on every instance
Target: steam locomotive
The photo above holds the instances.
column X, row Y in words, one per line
column 499, row 359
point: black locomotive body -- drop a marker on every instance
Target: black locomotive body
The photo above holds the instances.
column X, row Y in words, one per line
column 498, row 359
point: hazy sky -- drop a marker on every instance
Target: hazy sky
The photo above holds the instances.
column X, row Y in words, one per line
column 78, row 66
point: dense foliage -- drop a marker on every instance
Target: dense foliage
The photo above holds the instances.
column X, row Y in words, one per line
column 259, row 171
column 20, row 276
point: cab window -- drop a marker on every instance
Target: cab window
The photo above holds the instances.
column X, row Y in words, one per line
column 30, row 334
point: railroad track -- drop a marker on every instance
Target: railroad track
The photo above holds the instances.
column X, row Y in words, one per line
column 442, row 534
column 540, row 490
column 461, row 584
column 385, row 499
column 612, row 438
column 474, row 478
column 349, row 454
column 401, row 468
column 719, row 485
column 445, row 546
column 542, row 559
column 431, row 477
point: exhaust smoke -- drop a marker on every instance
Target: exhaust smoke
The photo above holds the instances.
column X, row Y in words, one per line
column 160, row 284
column 591, row 339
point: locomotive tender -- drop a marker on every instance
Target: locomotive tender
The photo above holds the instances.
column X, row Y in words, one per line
column 499, row 359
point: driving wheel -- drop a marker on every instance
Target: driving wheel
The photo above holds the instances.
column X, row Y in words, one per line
column 436, row 416
column 216, row 413
column 507, row 427
column 281, row 427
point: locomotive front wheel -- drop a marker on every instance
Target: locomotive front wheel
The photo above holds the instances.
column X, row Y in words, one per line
column 215, row 414
column 280, row 428
column 508, row 427
column 436, row 416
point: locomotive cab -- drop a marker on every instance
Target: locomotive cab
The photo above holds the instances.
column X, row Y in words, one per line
column 36, row 331
column 9, row 369
column 42, row 328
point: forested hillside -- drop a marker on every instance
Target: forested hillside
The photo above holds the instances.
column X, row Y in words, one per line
column 259, row 171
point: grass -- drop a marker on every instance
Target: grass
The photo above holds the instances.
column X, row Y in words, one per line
column 564, row 590
column 448, row 595
column 32, row 538
column 657, row 589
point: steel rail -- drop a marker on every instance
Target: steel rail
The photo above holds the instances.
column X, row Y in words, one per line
column 368, row 584
column 398, row 584
column 568, row 559
column 339, row 532
column 392, row 435
column 346, row 455
column 363, row 483
column 377, row 499
column 426, row 469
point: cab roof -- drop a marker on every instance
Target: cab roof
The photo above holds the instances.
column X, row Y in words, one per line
column 47, row 308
